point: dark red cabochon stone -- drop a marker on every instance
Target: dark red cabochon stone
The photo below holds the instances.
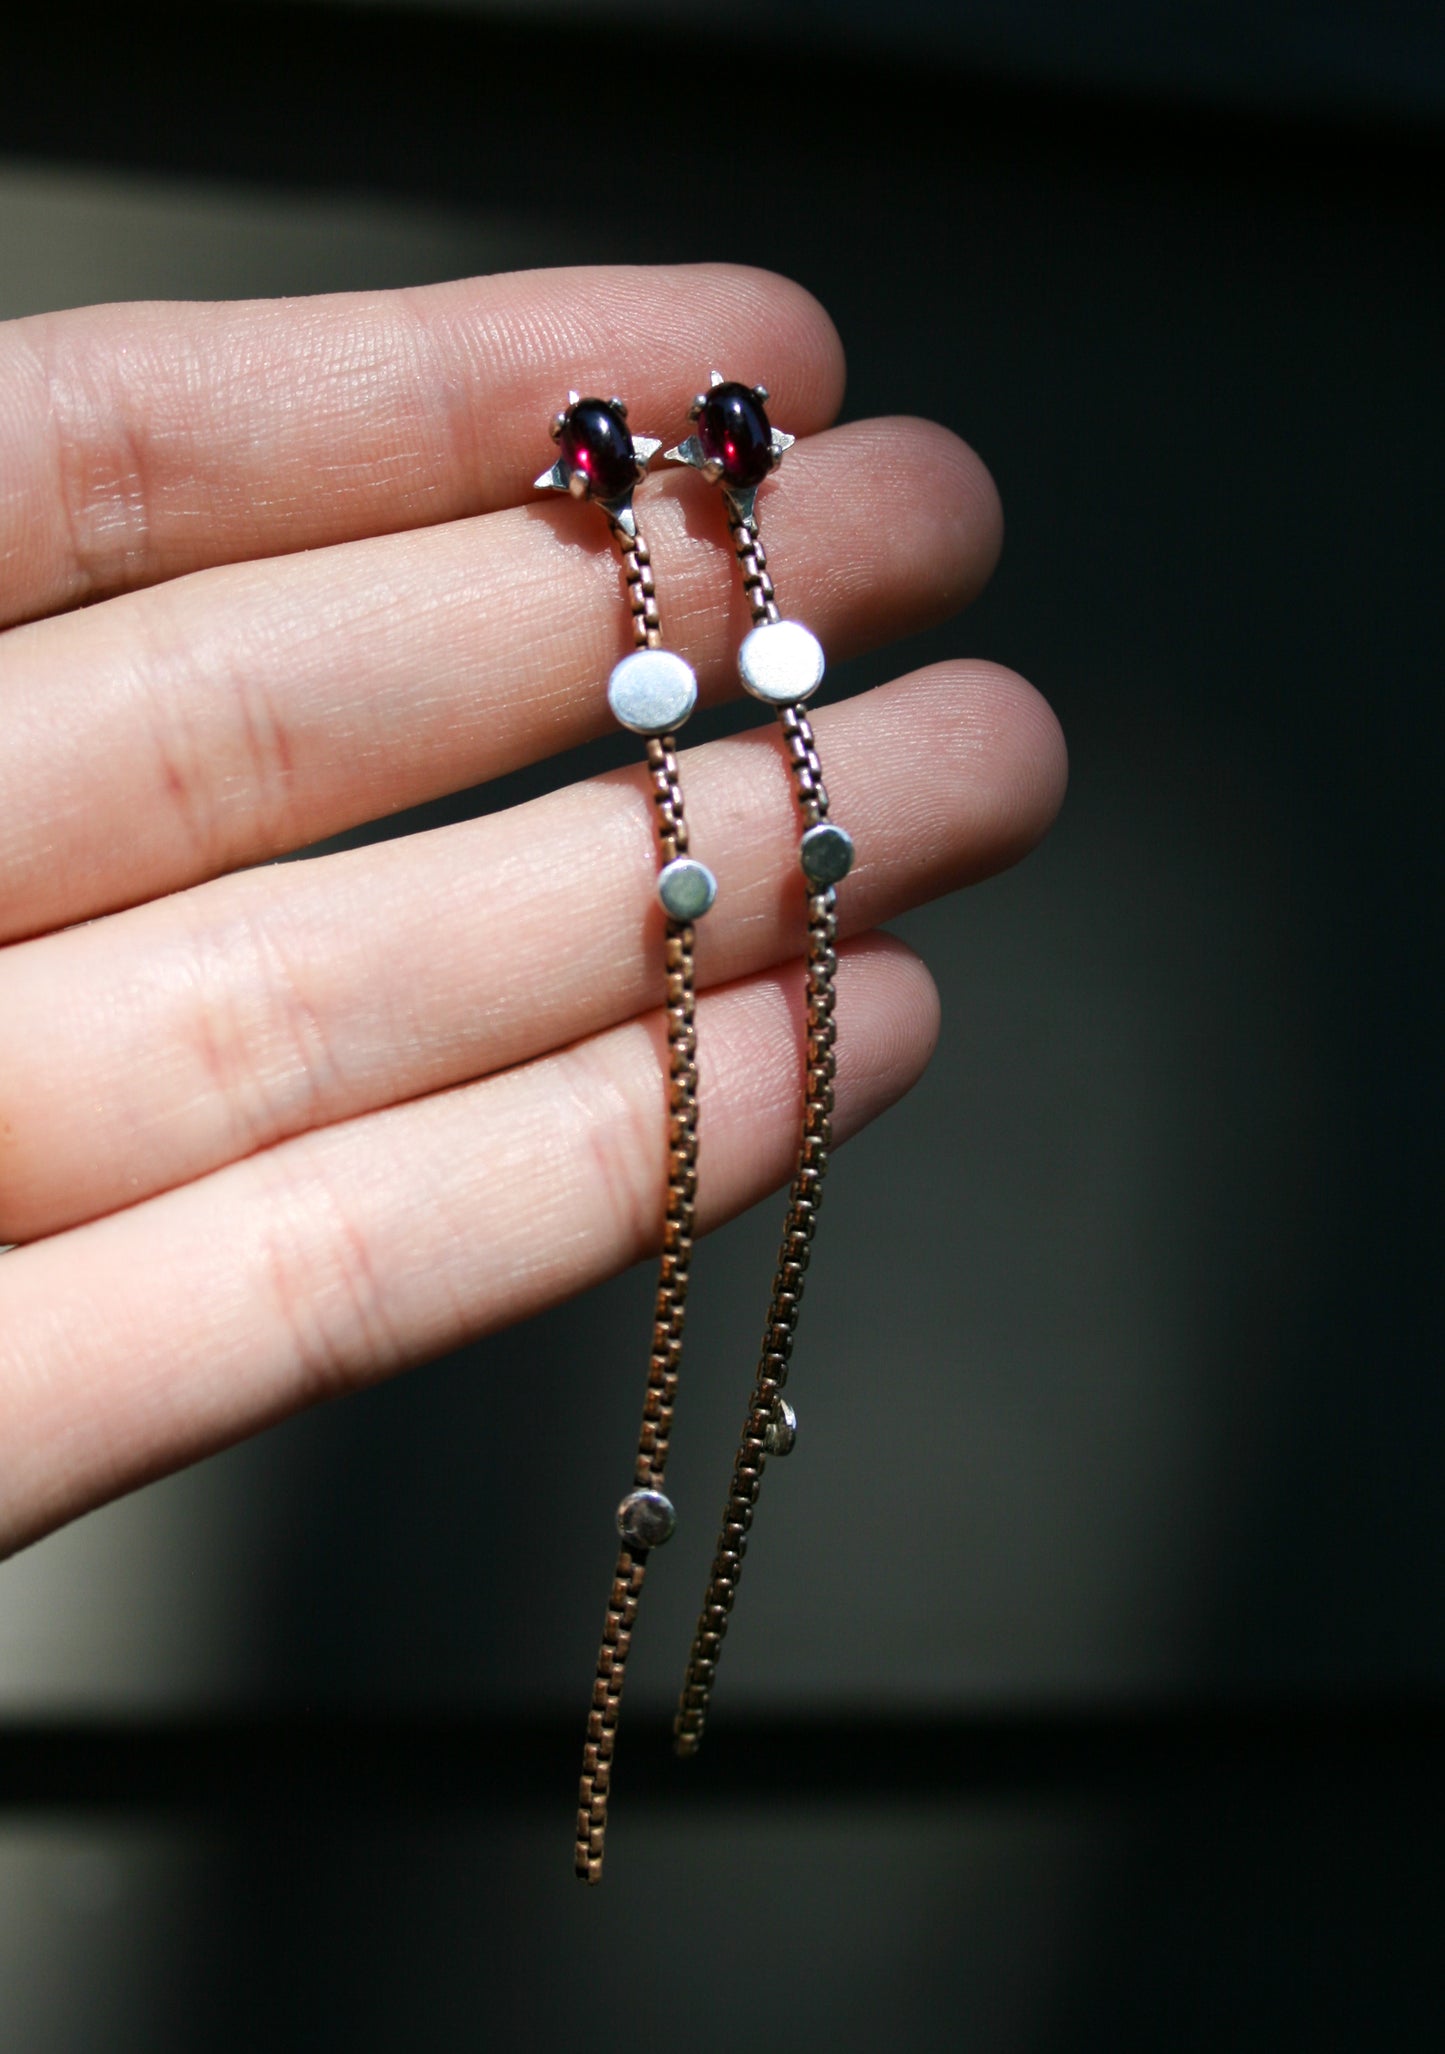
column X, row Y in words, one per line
column 596, row 441
column 734, row 432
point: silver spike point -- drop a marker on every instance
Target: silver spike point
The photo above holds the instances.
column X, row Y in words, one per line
column 573, row 398
column 717, row 378
column 646, row 447
column 554, row 480
column 619, row 512
column 742, row 500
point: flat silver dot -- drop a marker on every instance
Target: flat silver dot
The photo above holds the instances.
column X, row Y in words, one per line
column 781, row 662
column 686, row 887
column 652, row 691
column 645, row 1519
column 826, row 853
column 781, row 1430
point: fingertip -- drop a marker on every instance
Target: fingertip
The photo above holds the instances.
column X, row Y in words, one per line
column 946, row 509
column 751, row 1055
column 965, row 490
column 1034, row 752
column 890, row 1017
column 1006, row 757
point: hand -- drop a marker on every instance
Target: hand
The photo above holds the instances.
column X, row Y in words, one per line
column 267, row 1133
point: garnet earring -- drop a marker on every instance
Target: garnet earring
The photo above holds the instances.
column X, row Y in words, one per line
column 781, row 662
column 652, row 692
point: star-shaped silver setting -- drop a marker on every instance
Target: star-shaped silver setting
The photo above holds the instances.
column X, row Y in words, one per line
column 741, row 499
column 565, row 477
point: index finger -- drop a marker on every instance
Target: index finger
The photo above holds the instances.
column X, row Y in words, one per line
column 138, row 442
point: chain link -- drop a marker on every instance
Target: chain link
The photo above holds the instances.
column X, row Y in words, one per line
column 641, row 591
column 671, row 1304
column 804, row 1199
column 753, row 562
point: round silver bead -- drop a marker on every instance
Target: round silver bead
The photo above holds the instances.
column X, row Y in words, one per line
column 826, row 853
column 781, row 1430
column 652, row 691
column 686, row 887
column 645, row 1519
column 781, row 662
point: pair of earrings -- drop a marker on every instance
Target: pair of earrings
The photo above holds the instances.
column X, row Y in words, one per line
column 652, row 691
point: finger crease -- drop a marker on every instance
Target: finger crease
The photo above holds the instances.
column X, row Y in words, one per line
column 621, row 1131
column 101, row 459
column 326, row 1287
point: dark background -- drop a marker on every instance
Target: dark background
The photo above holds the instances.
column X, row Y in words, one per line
column 1087, row 1691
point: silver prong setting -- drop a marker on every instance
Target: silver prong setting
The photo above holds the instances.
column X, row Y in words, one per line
column 619, row 512
column 741, row 499
column 689, row 452
column 742, row 503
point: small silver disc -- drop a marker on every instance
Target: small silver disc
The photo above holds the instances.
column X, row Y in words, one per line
column 781, row 662
column 652, row 691
column 826, row 853
column 686, row 887
column 782, row 1429
column 645, row 1519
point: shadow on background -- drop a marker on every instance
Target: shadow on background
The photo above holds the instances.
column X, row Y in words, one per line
column 1121, row 1371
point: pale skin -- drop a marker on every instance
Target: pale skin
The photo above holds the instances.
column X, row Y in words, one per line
column 270, row 1133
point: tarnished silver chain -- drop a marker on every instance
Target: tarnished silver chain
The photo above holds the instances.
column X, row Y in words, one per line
column 761, row 1427
column 671, row 1303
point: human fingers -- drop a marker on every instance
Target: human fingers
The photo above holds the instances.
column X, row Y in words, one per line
column 150, row 1338
column 216, row 1022
column 241, row 712
column 140, row 442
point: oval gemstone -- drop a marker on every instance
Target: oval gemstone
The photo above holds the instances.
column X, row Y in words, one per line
column 734, row 432
column 596, row 441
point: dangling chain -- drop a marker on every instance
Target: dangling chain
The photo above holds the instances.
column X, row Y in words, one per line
column 671, row 1304
column 768, row 1428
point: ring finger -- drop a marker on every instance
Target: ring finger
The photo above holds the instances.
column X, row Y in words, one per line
column 218, row 1021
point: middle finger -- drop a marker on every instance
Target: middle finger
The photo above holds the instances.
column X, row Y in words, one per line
column 164, row 737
